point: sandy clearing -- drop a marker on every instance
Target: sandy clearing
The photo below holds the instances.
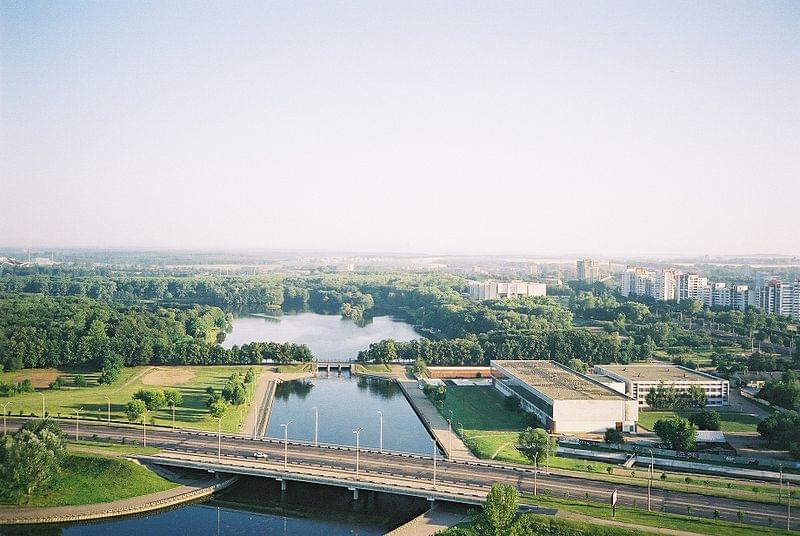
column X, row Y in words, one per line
column 168, row 376
column 40, row 378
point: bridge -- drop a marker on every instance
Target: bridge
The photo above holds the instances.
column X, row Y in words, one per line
column 368, row 470
column 335, row 365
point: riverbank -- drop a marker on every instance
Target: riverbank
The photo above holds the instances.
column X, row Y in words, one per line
column 190, row 489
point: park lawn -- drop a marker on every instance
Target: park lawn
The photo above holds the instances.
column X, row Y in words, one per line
column 480, row 408
column 381, row 368
column 655, row 519
column 294, row 368
column 191, row 381
column 107, row 448
column 730, row 421
column 89, row 478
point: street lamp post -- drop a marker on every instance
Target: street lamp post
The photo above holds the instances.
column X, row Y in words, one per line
column 316, row 426
column 449, row 437
column 535, row 472
column 358, row 445
column 780, row 482
column 5, row 410
column 380, row 447
column 108, row 409
column 650, row 480
column 77, row 418
column 172, row 406
column 434, row 462
column 144, row 428
column 788, row 507
column 286, row 443
column 219, row 439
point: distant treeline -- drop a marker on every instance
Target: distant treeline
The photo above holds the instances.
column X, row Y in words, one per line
column 46, row 331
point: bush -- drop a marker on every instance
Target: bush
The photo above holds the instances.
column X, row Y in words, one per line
column 706, row 420
column 613, row 436
column 79, row 381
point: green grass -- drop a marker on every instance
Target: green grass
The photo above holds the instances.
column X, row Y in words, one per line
column 88, row 479
column 109, row 448
column 381, row 368
column 640, row 516
column 191, row 414
column 294, row 369
column 730, row 421
column 490, row 431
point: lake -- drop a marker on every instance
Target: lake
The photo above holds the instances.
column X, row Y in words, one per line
column 330, row 337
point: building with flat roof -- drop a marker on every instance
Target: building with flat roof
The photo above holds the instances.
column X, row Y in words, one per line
column 494, row 290
column 565, row 400
column 641, row 378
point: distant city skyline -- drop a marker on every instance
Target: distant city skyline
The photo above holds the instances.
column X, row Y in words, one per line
column 612, row 129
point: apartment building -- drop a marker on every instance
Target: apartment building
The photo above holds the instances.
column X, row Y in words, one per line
column 691, row 287
column 780, row 298
column 589, row 270
column 495, row 290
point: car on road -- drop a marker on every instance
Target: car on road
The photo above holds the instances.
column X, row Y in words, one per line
column 260, row 454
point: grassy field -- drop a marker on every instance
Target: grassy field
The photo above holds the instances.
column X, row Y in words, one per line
column 89, row 478
column 490, row 430
column 294, row 369
column 730, row 421
column 191, row 381
column 655, row 519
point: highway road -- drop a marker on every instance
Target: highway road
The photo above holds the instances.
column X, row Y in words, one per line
column 417, row 470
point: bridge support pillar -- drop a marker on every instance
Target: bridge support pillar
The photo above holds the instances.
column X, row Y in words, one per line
column 283, row 485
column 355, row 494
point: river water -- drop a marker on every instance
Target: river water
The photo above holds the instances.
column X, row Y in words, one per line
column 346, row 403
column 329, row 337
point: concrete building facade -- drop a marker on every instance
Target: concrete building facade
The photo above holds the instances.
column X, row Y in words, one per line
column 588, row 270
column 565, row 400
column 495, row 290
column 641, row 378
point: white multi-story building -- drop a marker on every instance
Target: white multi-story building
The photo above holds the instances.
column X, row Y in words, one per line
column 664, row 285
column 780, row 298
column 641, row 378
column 691, row 287
column 589, row 270
column 494, row 290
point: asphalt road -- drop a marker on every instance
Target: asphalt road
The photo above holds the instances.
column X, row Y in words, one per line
column 465, row 473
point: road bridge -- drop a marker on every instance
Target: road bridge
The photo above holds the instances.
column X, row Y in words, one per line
column 464, row 481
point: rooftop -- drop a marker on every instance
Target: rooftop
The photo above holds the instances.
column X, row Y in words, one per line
column 655, row 372
column 557, row 381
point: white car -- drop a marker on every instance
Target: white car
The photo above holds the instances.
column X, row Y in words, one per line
column 260, row 455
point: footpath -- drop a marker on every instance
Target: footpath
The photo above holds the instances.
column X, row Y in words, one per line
column 446, row 438
column 191, row 490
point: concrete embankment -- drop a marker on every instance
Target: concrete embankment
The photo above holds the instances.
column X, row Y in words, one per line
column 438, row 518
column 134, row 505
column 448, row 441
column 265, row 409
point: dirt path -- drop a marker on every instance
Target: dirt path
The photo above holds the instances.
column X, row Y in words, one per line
column 137, row 377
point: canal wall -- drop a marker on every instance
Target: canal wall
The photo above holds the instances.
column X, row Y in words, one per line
column 265, row 409
column 124, row 507
column 448, row 441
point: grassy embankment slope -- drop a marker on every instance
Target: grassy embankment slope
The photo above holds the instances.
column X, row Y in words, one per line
column 191, row 381
column 88, row 477
column 730, row 421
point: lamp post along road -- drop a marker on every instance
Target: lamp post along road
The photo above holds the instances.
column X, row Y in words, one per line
column 780, row 482
column 5, row 410
column 650, row 481
column 219, row 439
column 434, row 462
column 316, row 425
column 144, row 428
column 173, row 416
column 286, row 443
column 380, row 447
column 788, row 506
column 535, row 471
column 449, row 438
column 358, row 445
column 77, row 418
column 108, row 409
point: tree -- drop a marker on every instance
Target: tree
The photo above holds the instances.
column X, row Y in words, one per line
column 706, row 420
column 613, row 436
column 536, row 444
column 135, row 409
column 154, row 400
column 30, row 461
column 577, row 364
column 499, row 512
column 172, row 397
column 80, row 380
column 218, row 409
column 676, row 432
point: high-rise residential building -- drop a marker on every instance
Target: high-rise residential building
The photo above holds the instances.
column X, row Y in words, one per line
column 589, row 270
column 780, row 298
column 691, row 287
column 664, row 285
column 638, row 281
column 494, row 290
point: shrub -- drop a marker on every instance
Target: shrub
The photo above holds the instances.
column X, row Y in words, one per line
column 79, row 381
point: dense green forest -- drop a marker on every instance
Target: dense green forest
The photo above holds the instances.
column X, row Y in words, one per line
column 46, row 331
column 54, row 318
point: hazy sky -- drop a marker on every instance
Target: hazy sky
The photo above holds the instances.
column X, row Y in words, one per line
column 442, row 127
